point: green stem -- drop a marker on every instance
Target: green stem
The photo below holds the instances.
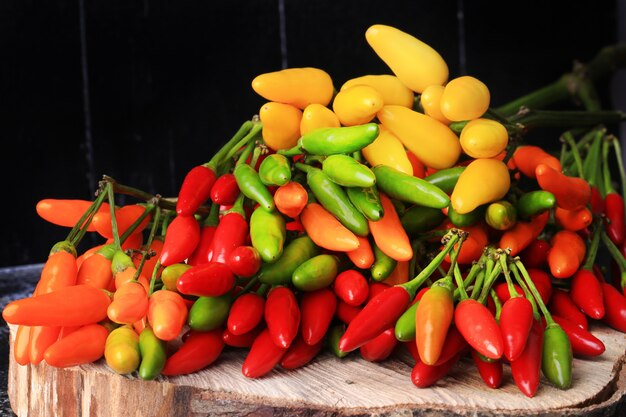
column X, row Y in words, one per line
column 592, row 252
column 80, row 228
column 606, row 171
column 620, row 163
column 153, row 278
column 245, row 154
column 149, row 209
column 507, row 277
column 531, row 286
column 497, row 303
column 569, row 139
column 460, row 285
column 588, row 95
column 247, row 130
column 540, row 98
column 146, row 254
column 114, row 230
column 247, row 287
column 616, row 254
column 527, row 292
column 489, row 280
column 531, row 119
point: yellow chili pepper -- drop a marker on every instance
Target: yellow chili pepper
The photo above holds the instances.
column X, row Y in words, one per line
column 281, row 125
column 297, row 86
column 389, row 86
column 415, row 63
column 483, row 181
column 465, row 98
column 484, row 138
column 316, row 116
column 434, row 143
column 121, row 350
column 357, row 105
column 431, row 103
column 387, row 150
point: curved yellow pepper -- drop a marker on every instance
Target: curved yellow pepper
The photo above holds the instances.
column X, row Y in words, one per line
column 431, row 103
column 281, row 125
column 121, row 350
column 434, row 143
column 316, row 116
column 387, row 150
column 296, row 86
column 465, row 98
column 389, row 86
column 357, row 105
column 415, row 63
column 483, row 181
column 484, row 138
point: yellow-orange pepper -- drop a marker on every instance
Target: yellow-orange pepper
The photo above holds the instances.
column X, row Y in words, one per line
column 431, row 103
column 281, row 125
column 415, row 63
column 316, row 116
column 434, row 143
column 465, row 98
column 296, row 86
column 357, row 105
column 167, row 314
column 121, row 350
column 389, row 86
column 484, row 138
column 387, row 150
column 483, row 181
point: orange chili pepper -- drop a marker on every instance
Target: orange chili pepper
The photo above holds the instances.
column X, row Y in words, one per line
column 85, row 345
column 433, row 317
column 566, row 254
column 41, row 338
column 66, row 212
column 128, row 275
column 573, row 220
column 133, row 241
column 88, row 253
column 167, row 314
column 21, row 346
column 399, row 275
column 130, row 303
column 148, row 266
column 125, row 217
column 96, row 269
column 571, row 193
column 326, row 231
column 363, row 256
column 523, row 233
column 290, row 199
column 388, row 233
column 527, row 158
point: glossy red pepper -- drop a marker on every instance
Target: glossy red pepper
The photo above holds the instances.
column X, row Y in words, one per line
column 317, row 310
column 526, row 369
column 583, row 342
column 614, row 211
column 454, row 344
column 202, row 254
column 597, row 202
column 244, row 261
column 381, row 347
column 300, row 353
column 490, row 371
column 242, row 340
column 345, row 312
column 282, row 315
column 199, row 350
column 561, row 304
column 586, row 292
column 424, row 376
column 536, row 254
column 231, row 233
column 502, row 291
column 375, row 289
column 181, row 238
column 212, row 279
column 615, row 308
column 246, row 313
column 571, row 193
column 542, row 282
column 225, row 189
column 195, row 189
column 479, row 327
column 351, row 287
column 263, row 356
column 516, row 320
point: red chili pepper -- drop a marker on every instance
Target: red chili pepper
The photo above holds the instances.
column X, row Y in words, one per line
column 381, row 347
column 246, row 313
column 528, row 157
column 181, row 238
column 300, row 353
column 516, row 320
column 561, row 304
column 490, row 371
column 586, row 292
column 571, row 193
column 225, row 189
column 479, row 328
column 523, row 233
column 345, row 312
column 536, row 254
column 231, row 233
column 199, row 350
column 282, row 315
column 242, row 340
column 202, row 253
column 380, row 313
column 195, row 190
column 597, row 202
column 615, row 307
column 375, row 289
column 454, row 344
column 526, row 369
column 573, row 220
column 263, row 356
column 244, row 261
column 542, row 282
column 317, row 311
column 502, row 291
column 424, row 375
column 207, row 280
column 351, row 286
column 583, row 342
column 614, row 211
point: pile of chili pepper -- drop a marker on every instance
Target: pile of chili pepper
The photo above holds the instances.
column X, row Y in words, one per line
column 399, row 212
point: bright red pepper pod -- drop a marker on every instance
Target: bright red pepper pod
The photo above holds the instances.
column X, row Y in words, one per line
column 526, row 369
column 502, row 291
column 202, row 254
column 282, row 315
column 195, row 190
column 199, row 350
column 381, row 347
column 583, row 342
column 424, row 376
column 516, row 320
column 351, row 286
column 454, row 344
column 597, row 202
column 181, row 238
column 244, row 261
column 615, row 307
column 232, row 232
column 586, row 292
column 317, row 311
column 225, row 189
column 300, row 353
column 490, row 371
column 208, row 280
column 614, row 211
column 479, row 328
column 536, row 254
column 263, row 356
column 542, row 282
column 345, row 312
column 246, row 313
column 562, row 305
column 242, row 340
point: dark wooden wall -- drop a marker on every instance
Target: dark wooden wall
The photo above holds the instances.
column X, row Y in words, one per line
column 142, row 90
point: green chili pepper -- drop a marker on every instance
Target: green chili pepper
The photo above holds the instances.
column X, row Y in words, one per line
column 367, row 201
column 445, row 179
column 275, row 170
column 535, row 202
column 333, row 198
column 383, row 265
column 251, row 186
column 467, row 219
column 209, row 313
column 556, row 358
column 405, row 326
column 334, row 334
column 335, row 140
column 153, row 355
column 268, row 233
column 408, row 188
column 347, row 171
column 418, row 219
column 296, row 252
column 316, row 273
column 501, row 215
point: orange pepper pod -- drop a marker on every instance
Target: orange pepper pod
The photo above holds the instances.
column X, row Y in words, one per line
column 128, row 275
column 433, row 318
column 130, row 303
column 290, row 199
column 573, row 220
column 21, row 345
column 473, row 246
column 566, row 254
column 527, row 158
column 399, row 275
column 571, row 193
column 167, row 314
column 133, row 241
column 87, row 254
column 82, row 346
column 41, row 338
column 388, row 233
column 363, row 256
column 125, row 217
column 326, row 231
column 66, row 212
column 148, row 266
column 60, row 269
column 96, row 269
column 523, row 233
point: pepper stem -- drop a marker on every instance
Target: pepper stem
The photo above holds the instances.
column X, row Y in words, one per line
column 153, row 278
column 146, row 254
column 529, row 296
column 569, row 139
column 509, row 283
column 115, row 231
column 592, row 252
column 614, row 251
column 531, row 286
column 245, row 133
column 606, row 171
column 149, row 209
column 80, row 228
column 620, row 162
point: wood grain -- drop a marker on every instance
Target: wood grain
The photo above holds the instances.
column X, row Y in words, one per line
column 327, row 386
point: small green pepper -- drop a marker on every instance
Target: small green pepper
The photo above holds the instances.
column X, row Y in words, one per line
column 316, row 273
column 405, row 326
column 367, row 201
column 153, row 355
column 250, row 185
column 445, row 179
column 296, row 252
column 383, row 265
column 535, row 202
column 556, row 358
column 209, row 313
column 501, row 215
column 467, row 219
column 335, row 140
column 418, row 219
column 267, row 233
column 334, row 334
column 275, row 170
column 347, row 171
column 408, row 188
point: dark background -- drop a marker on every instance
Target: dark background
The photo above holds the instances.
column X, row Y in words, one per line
column 142, row 90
